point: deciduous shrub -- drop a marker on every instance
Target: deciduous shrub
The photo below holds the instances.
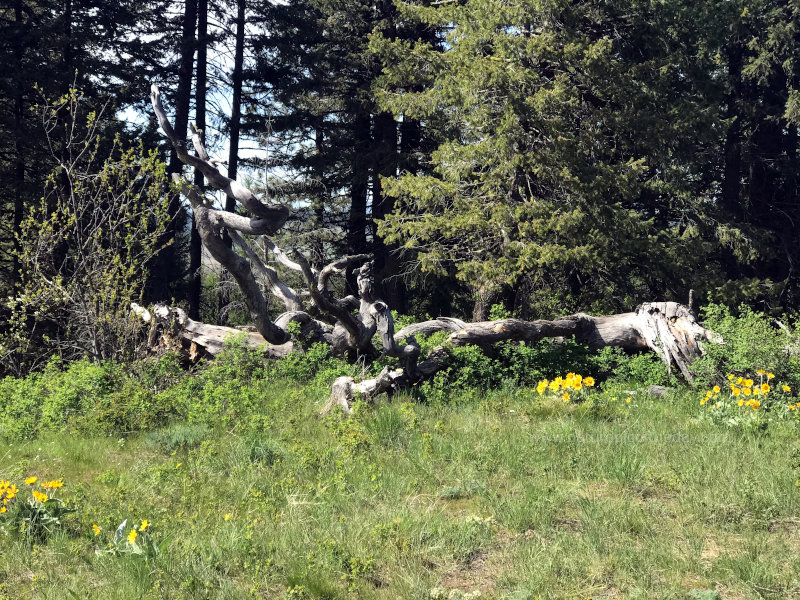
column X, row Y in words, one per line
column 750, row 340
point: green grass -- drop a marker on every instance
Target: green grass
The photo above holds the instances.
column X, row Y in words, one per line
column 505, row 494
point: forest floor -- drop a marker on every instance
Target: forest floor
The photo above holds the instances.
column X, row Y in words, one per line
column 501, row 494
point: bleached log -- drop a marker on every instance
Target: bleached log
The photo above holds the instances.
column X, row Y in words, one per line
column 667, row 328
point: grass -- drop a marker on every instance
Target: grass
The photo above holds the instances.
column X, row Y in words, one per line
column 506, row 495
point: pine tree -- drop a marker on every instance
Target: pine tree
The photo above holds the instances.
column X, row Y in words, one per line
column 577, row 145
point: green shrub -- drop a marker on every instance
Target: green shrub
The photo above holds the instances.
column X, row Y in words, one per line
column 750, row 342
column 56, row 398
column 642, row 369
column 317, row 361
column 528, row 363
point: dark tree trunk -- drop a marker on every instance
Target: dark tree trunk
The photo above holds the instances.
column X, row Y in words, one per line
column 19, row 149
column 233, row 151
column 410, row 138
column 195, row 246
column 485, row 295
column 357, row 221
column 732, row 167
column 318, row 203
column 66, row 50
column 385, row 165
column 166, row 267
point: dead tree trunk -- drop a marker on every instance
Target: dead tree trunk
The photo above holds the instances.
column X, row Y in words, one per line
column 669, row 329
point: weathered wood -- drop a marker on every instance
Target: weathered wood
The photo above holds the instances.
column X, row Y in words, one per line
column 667, row 328
column 201, row 339
column 275, row 215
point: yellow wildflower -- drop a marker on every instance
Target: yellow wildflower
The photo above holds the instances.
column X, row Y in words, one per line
column 748, row 383
column 730, row 377
column 565, row 397
column 755, row 404
column 2, row 509
column 542, row 387
column 144, row 525
column 786, row 388
column 739, row 381
column 737, row 391
column 576, row 383
column 628, row 399
column 31, row 480
column 228, row 516
column 765, row 388
column 53, row 485
column 761, row 372
column 96, row 529
column 770, row 375
column 554, row 385
column 132, row 536
column 756, row 391
column 39, row 496
column 747, row 391
column 716, row 389
column 588, row 381
column 740, row 402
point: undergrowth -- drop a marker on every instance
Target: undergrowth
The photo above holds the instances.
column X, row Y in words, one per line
column 540, row 471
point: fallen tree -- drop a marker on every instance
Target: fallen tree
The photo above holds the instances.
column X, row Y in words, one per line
column 348, row 325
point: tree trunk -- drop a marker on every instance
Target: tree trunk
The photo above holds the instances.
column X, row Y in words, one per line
column 667, row 328
column 357, row 221
column 195, row 246
column 19, row 148
column 385, row 152
column 233, row 150
column 166, row 271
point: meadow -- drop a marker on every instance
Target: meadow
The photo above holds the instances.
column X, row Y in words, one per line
column 228, row 484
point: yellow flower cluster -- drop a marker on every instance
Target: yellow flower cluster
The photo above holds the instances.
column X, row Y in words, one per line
column 7, row 492
column 750, row 393
column 572, row 381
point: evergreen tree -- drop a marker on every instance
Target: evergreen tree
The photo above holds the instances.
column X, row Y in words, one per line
column 580, row 149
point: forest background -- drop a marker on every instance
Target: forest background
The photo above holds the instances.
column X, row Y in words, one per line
column 542, row 156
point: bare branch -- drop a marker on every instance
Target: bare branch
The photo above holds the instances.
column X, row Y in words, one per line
column 287, row 295
column 282, row 258
column 275, row 215
column 325, row 301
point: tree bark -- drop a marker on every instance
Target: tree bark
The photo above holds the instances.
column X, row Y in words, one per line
column 19, row 148
column 233, row 150
column 195, row 246
column 357, row 221
column 667, row 328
